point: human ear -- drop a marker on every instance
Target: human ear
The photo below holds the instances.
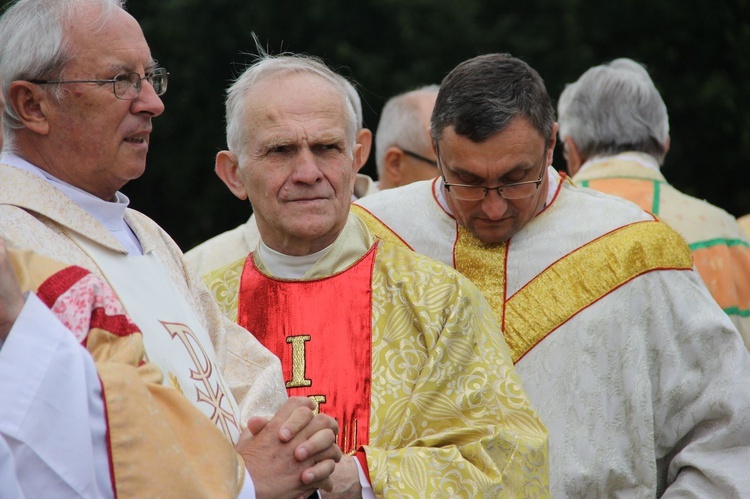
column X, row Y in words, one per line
column 572, row 156
column 227, row 168
column 392, row 167
column 31, row 104
column 364, row 138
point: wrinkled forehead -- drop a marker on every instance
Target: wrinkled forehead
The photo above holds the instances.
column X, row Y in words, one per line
column 301, row 99
column 115, row 40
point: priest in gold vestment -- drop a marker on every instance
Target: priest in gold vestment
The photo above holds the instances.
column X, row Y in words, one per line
column 403, row 351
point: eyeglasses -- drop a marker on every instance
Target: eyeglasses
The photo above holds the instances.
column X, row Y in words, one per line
column 126, row 86
column 517, row 190
column 419, row 157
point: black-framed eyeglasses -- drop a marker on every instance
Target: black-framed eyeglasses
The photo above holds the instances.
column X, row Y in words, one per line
column 126, row 86
column 517, row 190
column 419, row 157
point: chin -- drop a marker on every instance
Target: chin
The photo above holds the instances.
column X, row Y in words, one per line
column 492, row 236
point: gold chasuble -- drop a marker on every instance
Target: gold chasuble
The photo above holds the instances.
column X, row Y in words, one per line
column 322, row 331
column 406, row 354
column 160, row 445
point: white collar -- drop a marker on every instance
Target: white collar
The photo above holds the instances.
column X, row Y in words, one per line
column 111, row 214
column 287, row 266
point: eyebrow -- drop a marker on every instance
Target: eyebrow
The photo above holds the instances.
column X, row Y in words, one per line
column 461, row 172
column 127, row 68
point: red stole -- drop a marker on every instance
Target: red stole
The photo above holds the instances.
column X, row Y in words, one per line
column 322, row 332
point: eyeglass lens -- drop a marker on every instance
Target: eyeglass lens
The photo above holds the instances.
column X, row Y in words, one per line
column 128, row 85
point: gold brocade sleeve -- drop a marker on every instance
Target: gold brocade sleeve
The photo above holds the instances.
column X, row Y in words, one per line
column 224, row 284
column 449, row 417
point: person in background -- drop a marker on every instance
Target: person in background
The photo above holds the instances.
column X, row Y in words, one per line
column 614, row 129
column 403, row 147
column 639, row 376
column 82, row 89
column 401, row 350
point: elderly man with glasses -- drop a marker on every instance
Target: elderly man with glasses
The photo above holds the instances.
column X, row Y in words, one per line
column 82, row 90
column 640, row 377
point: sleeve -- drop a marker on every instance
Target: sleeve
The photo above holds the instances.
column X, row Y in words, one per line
column 701, row 390
column 52, row 421
column 146, row 424
column 454, row 416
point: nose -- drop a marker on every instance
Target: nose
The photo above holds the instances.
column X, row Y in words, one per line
column 147, row 101
column 494, row 205
column 306, row 170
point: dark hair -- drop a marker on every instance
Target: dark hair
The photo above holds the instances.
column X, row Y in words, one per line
column 481, row 96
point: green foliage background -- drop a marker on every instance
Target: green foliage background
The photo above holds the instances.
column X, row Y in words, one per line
column 698, row 53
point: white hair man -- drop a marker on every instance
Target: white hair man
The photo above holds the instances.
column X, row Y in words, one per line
column 403, row 147
column 82, row 89
column 225, row 248
column 615, row 133
column 638, row 374
column 400, row 349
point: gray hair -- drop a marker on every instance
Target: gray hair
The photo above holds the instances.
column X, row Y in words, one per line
column 400, row 125
column 33, row 44
column 284, row 64
column 480, row 97
column 614, row 108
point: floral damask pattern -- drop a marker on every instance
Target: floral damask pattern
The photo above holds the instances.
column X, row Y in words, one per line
column 449, row 415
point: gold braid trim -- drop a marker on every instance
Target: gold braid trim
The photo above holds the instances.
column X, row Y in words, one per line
column 378, row 228
column 589, row 273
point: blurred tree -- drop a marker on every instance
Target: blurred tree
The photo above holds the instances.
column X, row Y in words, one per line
column 697, row 53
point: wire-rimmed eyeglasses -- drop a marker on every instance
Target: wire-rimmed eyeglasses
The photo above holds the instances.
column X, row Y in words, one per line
column 517, row 190
column 126, row 86
column 419, row 157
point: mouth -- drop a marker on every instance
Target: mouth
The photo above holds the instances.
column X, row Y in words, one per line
column 138, row 138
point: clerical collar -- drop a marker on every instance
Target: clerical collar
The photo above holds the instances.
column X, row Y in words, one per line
column 643, row 159
column 111, row 214
column 553, row 180
column 286, row 266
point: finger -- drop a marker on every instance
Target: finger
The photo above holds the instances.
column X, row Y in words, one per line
column 297, row 421
column 322, row 445
column 319, row 476
column 256, row 424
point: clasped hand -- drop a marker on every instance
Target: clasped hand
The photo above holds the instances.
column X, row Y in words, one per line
column 293, row 454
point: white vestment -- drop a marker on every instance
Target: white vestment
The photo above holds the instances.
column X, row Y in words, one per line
column 37, row 216
column 643, row 390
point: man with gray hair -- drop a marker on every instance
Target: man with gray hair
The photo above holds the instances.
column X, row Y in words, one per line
column 403, row 351
column 225, row 248
column 82, row 89
column 614, row 129
column 638, row 374
column 403, row 148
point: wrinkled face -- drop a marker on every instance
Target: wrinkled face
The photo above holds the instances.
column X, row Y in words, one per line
column 297, row 164
column 516, row 154
column 98, row 142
